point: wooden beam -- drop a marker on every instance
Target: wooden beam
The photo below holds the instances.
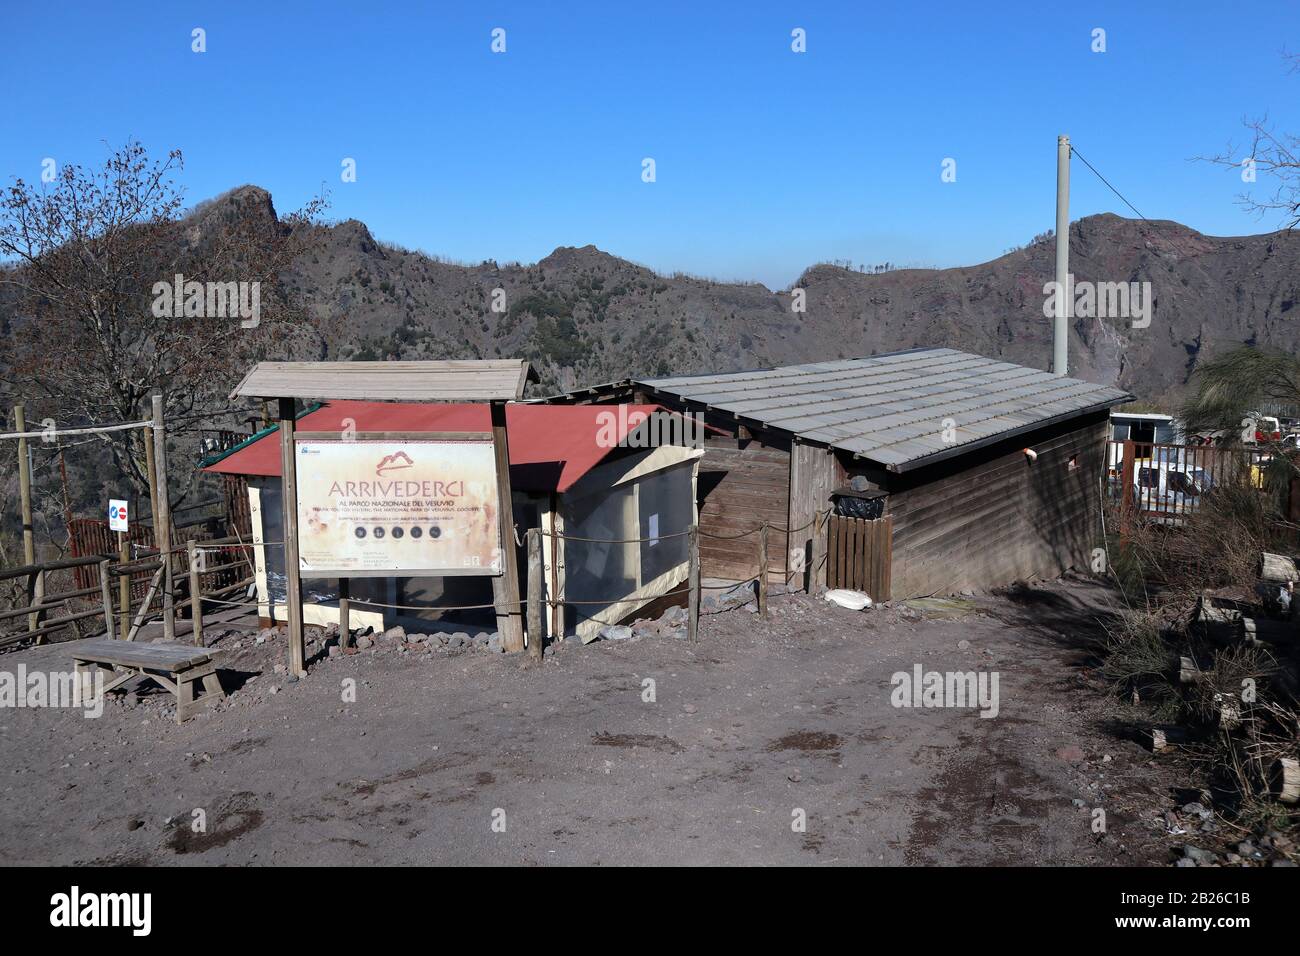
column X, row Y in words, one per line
column 162, row 520
column 762, row 570
column 693, row 597
column 536, row 630
column 505, row 586
column 124, row 586
column 196, row 593
column 25, row 496
column 816, row 571
column 289, row 508
column 106, row 594
column 345, row 612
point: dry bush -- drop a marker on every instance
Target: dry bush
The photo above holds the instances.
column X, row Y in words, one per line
column 1215, row 547
column 1225, row 680
column 1137, row 656
column 1241, row 765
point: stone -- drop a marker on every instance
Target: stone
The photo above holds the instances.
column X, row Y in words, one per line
column 678, row 633
column 615, row 632
column 675, row 616
column 275, row 690
column 393, row 634
column 495, row 644
column 417, row 638
column 963, row 644
column 458, row 640
column 364, row 642
column 1199, row 856
column 689, row 708
column 335, row 650
column 1197, row 810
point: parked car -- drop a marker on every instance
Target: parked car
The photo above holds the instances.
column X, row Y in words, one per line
column 1166, row 491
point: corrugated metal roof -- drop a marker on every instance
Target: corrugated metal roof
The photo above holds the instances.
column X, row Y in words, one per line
column 894, row 409
column 551, row 446
column 445, row 381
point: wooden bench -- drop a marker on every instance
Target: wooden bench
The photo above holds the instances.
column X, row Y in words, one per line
column 178, row 667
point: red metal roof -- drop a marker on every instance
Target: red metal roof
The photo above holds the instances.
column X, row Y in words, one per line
column 551, row 446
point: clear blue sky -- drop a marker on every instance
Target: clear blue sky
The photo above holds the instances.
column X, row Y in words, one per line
column 767, row 160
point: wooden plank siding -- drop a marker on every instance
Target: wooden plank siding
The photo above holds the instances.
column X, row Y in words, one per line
column 814, row 474
column 742, row 484
column 993, row 521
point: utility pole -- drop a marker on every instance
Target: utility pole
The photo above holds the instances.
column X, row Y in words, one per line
column 1060, row 329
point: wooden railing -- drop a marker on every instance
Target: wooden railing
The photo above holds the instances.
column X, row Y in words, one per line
column 195, row 573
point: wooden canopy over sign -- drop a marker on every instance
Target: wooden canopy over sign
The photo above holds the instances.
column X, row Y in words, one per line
column 469, row 380
column 494, row 381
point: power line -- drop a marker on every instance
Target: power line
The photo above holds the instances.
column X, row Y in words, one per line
column 1074, row 151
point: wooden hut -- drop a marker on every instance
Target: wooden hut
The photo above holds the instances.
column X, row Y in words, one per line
column 981, row 471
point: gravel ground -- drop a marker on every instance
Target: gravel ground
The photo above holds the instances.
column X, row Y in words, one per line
column 471, row 757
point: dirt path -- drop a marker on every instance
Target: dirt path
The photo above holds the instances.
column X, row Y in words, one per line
column 750, row 726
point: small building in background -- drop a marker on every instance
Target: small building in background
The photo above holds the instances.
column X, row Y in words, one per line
column 1145, row 427
column 593, row 479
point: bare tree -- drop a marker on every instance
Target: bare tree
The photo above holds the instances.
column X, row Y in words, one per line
column 1275, row 156
column 89, row 258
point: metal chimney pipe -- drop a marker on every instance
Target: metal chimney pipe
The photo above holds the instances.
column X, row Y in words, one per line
column 1060, row 326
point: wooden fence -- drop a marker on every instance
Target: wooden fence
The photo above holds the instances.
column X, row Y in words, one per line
column 214, row 569
column 859, row 553
column 1165, row 483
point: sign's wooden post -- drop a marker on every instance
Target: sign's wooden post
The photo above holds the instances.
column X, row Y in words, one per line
column 505, row 586
column 289, row 506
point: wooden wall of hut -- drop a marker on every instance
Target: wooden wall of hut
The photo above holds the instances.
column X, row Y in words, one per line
column 990, row 517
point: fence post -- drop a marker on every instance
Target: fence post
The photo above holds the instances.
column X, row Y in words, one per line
column 151, row 467
column 107, row 594
column 124, row 586
column 818, row 557
column 196, row 592
column 693, row 601
column 536, row 637
column 37, row 590
column 762, row 570
column 1126, row 505
column 162, row 520
column 345, row 612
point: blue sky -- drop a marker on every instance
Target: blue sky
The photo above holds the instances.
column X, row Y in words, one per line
column 767, row 161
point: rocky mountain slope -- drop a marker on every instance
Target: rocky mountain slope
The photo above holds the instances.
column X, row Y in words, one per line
column 584, row 316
